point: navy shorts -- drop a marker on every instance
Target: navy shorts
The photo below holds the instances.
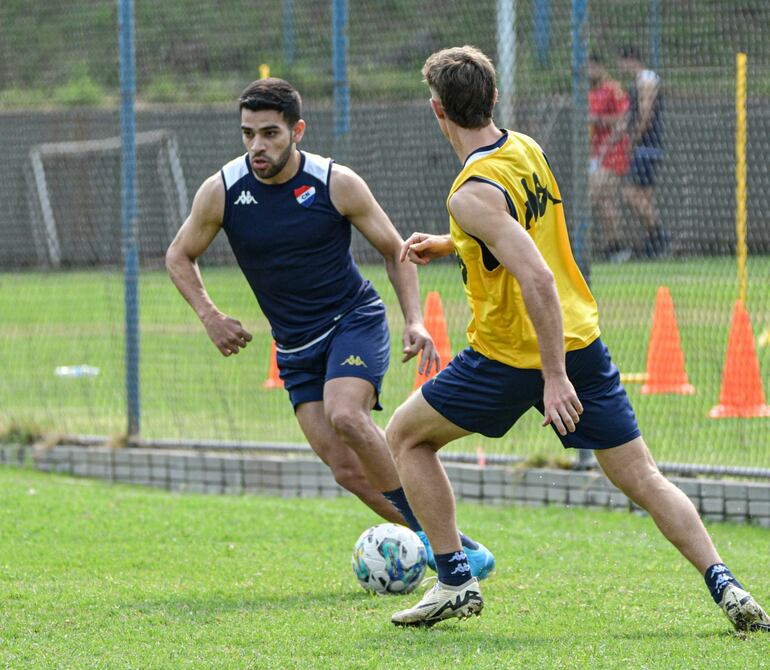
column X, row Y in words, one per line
column 359, row 346
column 485, row 396
column 645, row 162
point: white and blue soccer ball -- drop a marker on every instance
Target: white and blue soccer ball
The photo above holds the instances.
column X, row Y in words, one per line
column 389, row 559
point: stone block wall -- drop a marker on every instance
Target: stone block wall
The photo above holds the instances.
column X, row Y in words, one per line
column 249, row 473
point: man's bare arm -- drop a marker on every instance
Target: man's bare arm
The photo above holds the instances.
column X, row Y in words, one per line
column 193, row 238
column 422, row 248
column 352, row 197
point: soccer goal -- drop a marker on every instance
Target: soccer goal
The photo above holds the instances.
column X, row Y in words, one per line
column 75, row 196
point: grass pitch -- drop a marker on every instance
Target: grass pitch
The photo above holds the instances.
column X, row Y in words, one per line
column 188, row 390
column 96, row 576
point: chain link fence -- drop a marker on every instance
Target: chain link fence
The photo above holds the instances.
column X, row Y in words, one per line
column 61, row 282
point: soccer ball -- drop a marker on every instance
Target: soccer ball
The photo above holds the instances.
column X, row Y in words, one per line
column 389, row 559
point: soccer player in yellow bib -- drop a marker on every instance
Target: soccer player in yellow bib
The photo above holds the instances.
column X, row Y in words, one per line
column 534, row 342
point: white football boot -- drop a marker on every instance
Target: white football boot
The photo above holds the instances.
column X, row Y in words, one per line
column 743, row 611
column 443, row 602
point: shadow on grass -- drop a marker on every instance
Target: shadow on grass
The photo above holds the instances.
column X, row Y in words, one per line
column 254, row 601
column 489, row 633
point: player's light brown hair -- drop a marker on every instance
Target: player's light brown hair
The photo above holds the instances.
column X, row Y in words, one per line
column 464, row 80
column 273, row 93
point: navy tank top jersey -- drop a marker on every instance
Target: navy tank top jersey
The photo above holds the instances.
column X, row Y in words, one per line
column 653, row 134
column 293, row 247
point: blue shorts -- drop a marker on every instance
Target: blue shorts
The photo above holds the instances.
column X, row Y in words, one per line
column 485, row 396
column 645, row 162
column 359, row 346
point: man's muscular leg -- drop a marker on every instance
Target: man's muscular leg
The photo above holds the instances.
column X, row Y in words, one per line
column 631, row 468
column 342, row 460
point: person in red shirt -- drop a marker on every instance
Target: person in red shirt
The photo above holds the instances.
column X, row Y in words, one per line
column 608, row 106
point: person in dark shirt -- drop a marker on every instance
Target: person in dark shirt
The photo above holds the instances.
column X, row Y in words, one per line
column 645, row 128
column 288, row 214
column 608, row 107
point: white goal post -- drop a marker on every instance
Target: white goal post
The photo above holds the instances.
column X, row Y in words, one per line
column 169, row 172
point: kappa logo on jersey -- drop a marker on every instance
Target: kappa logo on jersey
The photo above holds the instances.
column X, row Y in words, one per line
column 537, row 200
column 245, row 198
column 305, row 195
column 354, row 360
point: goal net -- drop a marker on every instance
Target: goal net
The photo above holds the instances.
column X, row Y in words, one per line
column 75, row 197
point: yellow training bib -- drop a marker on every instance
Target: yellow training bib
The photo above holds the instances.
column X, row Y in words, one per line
column 500, row 327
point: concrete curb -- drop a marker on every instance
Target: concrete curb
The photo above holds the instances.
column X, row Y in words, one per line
column 289, row 477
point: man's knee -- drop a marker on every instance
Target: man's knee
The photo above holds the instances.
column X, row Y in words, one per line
column 645, row 486
column 397, row 434
column 393, row 435
column 348, row 422
column 630, row 467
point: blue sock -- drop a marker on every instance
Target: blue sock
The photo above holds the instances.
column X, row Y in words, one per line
column 467, row 542
column 717, row 577
column 453, row 568
column 397, row 498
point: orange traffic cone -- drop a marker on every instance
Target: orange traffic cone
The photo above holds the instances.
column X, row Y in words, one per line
column 435, row 324
column 273, row 381
column 665, row 358
column 742, row 394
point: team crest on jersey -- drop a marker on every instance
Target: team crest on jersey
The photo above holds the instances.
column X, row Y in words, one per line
column 305, row 195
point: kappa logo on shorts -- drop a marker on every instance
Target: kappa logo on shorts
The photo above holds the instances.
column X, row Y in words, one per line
column 245, row 198
column 305, row 195
column 354, row 360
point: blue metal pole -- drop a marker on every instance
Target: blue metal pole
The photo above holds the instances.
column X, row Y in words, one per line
column 288, row 32
column 340, row 67
column 580, row 202
column 543, row 31
column 506, row 61
column 655, row 34
column 130, row 242
column 579, row 209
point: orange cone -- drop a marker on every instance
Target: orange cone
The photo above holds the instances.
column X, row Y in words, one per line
column 665, row 358
column 273, row 381
column 435, row 324
column 742, row 394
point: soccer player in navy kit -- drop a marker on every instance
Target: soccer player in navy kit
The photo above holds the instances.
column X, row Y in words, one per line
column 287, row 215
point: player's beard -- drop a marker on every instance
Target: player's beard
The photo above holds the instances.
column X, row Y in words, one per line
column 276, row 165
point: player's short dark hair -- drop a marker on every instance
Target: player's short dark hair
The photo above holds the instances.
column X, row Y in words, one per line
column 464, row 80
column 273, row 93
column 629, row 51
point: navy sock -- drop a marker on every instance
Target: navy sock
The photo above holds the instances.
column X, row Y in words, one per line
column 717, row 577
column 453, row 568
column 397, row 498
column 467, row 542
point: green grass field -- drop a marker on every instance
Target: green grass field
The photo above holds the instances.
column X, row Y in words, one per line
column 97, row 576
column 189, row 391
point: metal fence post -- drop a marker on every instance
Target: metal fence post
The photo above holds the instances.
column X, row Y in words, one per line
column 506, row 61
column 130, row 240
column 579, row 208
column 579, row 204
column 655, row 34
column 288, row 32
column 340, row 67
column 543, row 31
